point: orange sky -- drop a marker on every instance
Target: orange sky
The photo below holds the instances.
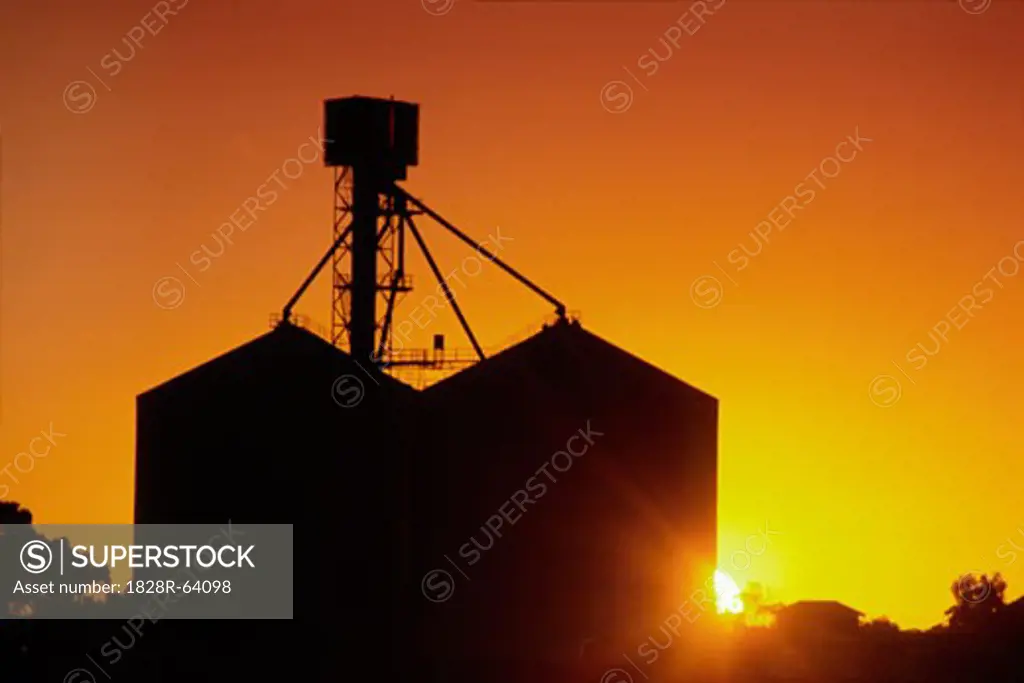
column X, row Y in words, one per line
column 617, row 213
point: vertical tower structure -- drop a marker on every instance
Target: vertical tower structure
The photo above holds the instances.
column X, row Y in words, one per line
column 370, row 142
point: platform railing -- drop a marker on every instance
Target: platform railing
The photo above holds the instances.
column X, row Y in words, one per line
column 414, row 365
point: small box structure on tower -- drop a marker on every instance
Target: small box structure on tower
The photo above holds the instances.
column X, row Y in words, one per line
column 371, row 132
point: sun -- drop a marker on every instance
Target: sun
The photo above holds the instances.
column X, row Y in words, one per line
column 727, row 594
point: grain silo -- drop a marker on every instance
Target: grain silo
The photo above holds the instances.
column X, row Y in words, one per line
column 441, row 489
column 579, row 488
column 284, row 429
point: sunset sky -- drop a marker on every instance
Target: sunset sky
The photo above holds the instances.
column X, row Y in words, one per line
column 629, row 187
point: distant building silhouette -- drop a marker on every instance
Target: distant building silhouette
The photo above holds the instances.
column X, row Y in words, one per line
column 820, row 617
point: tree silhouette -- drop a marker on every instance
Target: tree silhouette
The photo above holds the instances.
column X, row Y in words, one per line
column 881, row 627
column 15, row 531
column 13, row 513
column 14, row 637
column 756, row 611
column 978, row 600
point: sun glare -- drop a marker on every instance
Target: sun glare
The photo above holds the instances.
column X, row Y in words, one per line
column 727, row 594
